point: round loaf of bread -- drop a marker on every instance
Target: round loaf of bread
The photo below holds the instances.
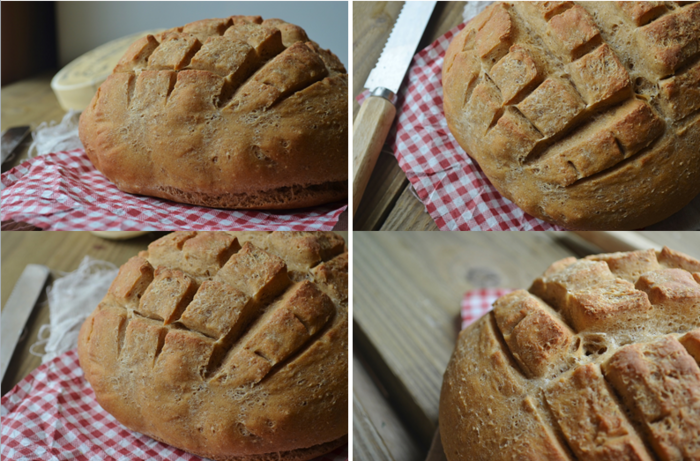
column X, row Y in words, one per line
column 598, row 360
column 227, row 113
column 585, row 114
column 230, row 346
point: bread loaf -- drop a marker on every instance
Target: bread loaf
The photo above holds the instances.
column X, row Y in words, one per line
column 231, row 346
column 229, row 113
column 585, row 114
column 598, row 360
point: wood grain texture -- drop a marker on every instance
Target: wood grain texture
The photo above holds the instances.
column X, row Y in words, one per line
column 369, row 133
column 685, row 241
column 409, row 214
column 384, row 188
column 380, row 433
column 407, row 292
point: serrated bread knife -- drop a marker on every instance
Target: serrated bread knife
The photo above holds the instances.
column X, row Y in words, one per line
column 19, row 307
column 377, row 113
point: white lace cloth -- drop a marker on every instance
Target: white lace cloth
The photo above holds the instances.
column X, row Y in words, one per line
column 71, row 299
column 53, row 137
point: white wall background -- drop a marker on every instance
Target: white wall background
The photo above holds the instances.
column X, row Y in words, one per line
column 83, row 26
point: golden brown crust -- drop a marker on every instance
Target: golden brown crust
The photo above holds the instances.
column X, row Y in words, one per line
column 599, row 360
column 227, row 113
column 585, row 114
column 210, row 346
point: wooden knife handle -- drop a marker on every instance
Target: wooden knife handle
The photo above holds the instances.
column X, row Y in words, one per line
column 370, row 130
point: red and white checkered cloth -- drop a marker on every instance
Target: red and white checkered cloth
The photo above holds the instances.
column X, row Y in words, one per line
column 451, row 185
column 52, row 415
column 476, row 303
column 64, row 191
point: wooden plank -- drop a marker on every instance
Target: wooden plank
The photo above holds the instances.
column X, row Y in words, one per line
column 384, row 188
column 687, row 242
column 378, row 432
column 407, row 293
column 446, row 16
column 409, row 214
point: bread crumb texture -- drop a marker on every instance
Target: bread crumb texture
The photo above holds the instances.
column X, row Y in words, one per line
column 598, row 360
column 228, row 345
column 228, row 113
column 585, row 114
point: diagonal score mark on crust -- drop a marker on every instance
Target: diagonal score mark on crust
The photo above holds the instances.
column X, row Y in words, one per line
column 591, row 417
column 551, row 9
column 498, row 335
column 642, row 13
column 310, row 342
column 660, row 383
column 301, row 250
column 309, row 306
column 131, row 86
column 602, row 144
column 610, row 171
column 538, row 339
column 283, row 327
column 121, row 334
column 671, row 40
column 291, row 71
column 200, row 255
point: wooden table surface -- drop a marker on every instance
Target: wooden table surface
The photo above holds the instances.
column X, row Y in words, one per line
column 407, row 292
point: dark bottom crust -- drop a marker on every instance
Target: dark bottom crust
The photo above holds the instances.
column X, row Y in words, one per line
column 283, row 198
column 300, row 454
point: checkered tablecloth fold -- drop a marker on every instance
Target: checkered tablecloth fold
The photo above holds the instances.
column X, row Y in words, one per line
column 476, row 303
column 64, row 191
column 450, row 184
column 52, row 415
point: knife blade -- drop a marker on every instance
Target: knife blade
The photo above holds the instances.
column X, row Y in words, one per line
column 377, row 113
column 12, row 138
column 18, row 308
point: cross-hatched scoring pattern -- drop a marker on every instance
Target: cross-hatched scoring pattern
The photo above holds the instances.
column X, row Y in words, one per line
column 606, row 349
column 200, row 311
column 564, row 67
column 272, row 57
